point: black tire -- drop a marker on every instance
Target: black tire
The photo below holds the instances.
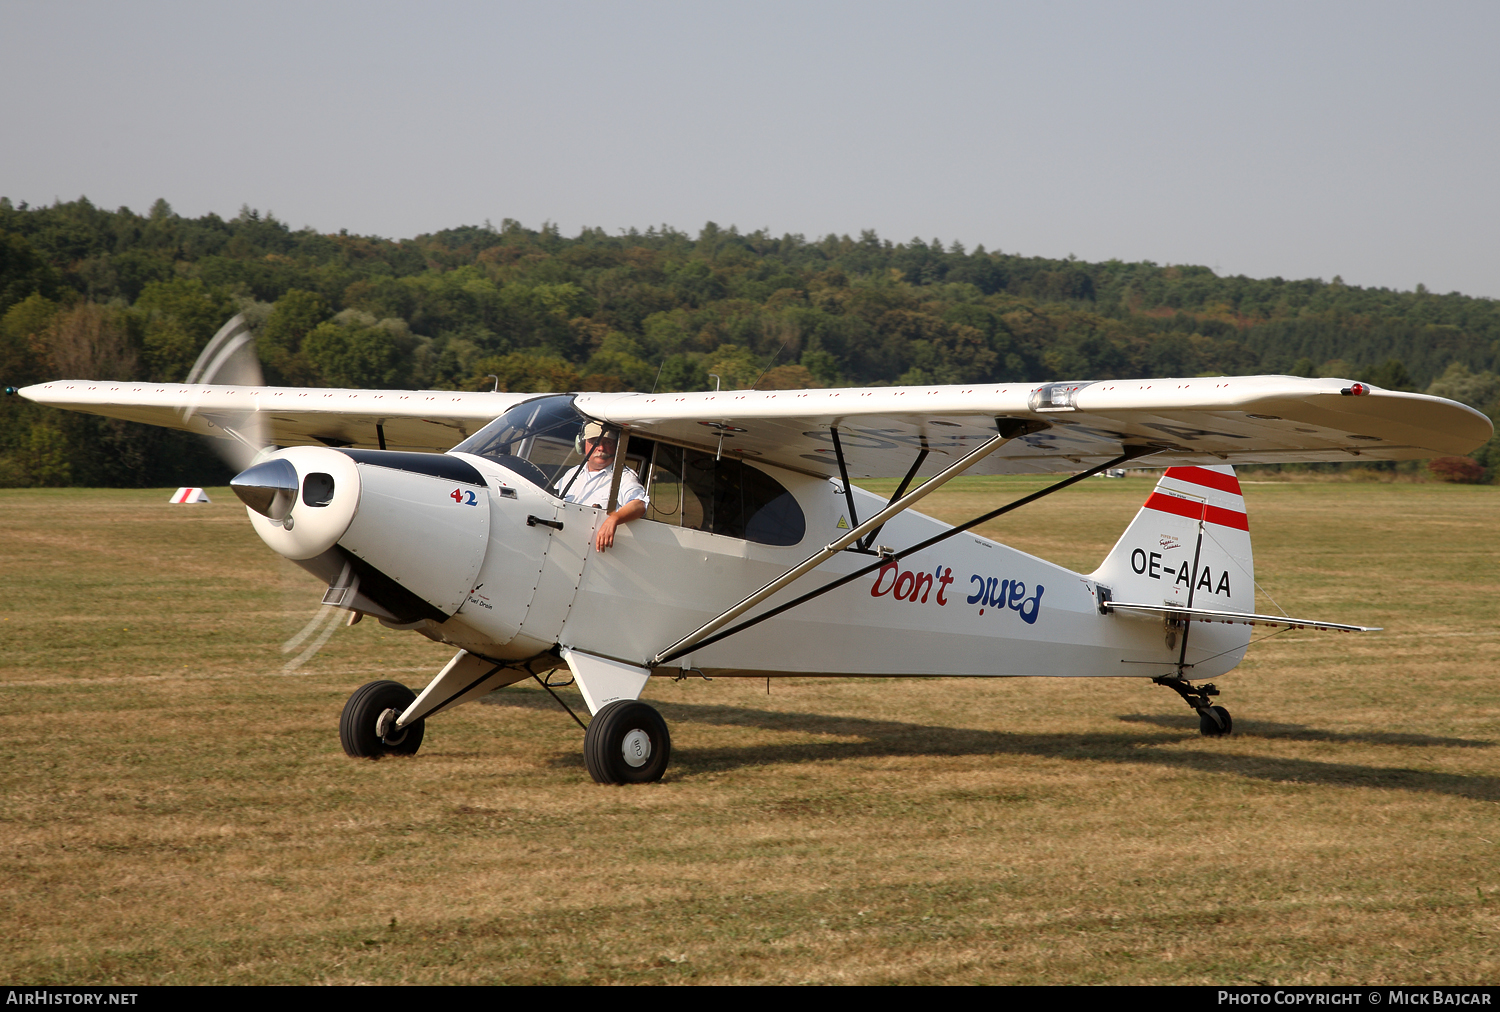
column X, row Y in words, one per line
column 357, row 723
column 627, row 726
column 1209, row 728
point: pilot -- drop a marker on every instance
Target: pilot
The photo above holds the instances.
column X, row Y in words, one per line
column 589, row 483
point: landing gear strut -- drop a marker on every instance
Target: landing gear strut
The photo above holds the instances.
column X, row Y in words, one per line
column 1213, row 721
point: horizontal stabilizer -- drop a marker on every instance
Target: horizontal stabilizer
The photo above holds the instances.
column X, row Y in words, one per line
column 1234, row 617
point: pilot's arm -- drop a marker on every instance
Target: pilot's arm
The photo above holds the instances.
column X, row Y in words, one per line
column 632, row 505
column 626, row 513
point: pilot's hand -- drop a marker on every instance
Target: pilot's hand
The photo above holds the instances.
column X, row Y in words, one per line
column 606, row 533
column 605, row 536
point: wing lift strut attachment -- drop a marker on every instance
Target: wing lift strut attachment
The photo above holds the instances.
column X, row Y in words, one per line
column 1009, row 428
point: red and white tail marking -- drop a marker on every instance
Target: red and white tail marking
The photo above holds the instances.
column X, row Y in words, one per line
column 188, row 495
column 1166, row 556
column 1187, row 555
column 1201, row 493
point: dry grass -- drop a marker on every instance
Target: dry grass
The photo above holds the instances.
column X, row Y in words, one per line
column 177, row 811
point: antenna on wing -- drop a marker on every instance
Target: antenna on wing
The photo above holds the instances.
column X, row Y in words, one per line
column 769, row 364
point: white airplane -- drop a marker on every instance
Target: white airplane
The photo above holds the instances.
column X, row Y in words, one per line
column 437, row 512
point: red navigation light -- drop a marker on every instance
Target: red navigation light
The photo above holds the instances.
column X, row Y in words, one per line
column 1357, row 390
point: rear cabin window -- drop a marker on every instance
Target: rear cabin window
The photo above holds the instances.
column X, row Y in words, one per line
column 688, row 488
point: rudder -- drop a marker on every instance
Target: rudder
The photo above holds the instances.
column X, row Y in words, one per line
column 1153, row 562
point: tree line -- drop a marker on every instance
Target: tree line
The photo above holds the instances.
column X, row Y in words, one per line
column 95, row 294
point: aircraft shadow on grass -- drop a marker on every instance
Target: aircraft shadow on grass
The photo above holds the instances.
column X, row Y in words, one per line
column 1301, row 732
column 885, row 738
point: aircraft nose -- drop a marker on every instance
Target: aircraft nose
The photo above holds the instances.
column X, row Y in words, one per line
column 269, row 488
column 301, row 499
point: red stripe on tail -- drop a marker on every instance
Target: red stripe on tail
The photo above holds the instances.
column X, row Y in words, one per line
column 1194, row 510
column 1208, row 479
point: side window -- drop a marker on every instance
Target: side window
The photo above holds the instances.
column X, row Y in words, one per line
column 689, row 488
column 673, row 501
column 772, row 516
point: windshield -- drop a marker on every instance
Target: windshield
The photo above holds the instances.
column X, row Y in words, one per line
column 535, row 439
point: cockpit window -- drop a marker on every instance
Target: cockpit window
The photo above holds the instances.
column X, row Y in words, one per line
column 535, row 439
column 689, row 488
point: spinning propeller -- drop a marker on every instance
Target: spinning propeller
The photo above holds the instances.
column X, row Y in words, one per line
column 229, row 359
column 269, row 487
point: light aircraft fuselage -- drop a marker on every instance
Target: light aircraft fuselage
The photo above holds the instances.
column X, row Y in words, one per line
column 970, row 606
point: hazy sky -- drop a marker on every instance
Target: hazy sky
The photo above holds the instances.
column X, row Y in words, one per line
column 1295, row 139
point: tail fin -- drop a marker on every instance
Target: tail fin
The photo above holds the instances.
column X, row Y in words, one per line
column 1194, row 513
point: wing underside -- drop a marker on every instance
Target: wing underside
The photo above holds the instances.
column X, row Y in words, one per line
column 1235, row 420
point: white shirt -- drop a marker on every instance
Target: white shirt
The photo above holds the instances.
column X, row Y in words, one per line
column 592, row 487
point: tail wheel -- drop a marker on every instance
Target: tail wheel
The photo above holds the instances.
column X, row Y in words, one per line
column 1210, row 728
column 627, row 743
column 371, row 712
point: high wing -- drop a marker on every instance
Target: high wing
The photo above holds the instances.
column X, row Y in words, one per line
column 1239, row 420
column 423, row 420
column 1223, row 419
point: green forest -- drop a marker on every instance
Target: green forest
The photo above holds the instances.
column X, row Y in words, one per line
column 87, row 293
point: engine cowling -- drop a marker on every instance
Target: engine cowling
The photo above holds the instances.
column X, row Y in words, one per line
column 412, row 528
column 300, row 500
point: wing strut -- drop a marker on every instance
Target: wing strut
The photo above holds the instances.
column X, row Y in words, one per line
column 838, row 449
column 707, row 634
column 900, row 490
column 695, row 640
column 1009, row 429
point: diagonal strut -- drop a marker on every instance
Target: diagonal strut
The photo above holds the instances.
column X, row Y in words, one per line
column 679, row 649
column 828, row 551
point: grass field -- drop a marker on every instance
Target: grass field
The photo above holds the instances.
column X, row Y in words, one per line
column 177, row 810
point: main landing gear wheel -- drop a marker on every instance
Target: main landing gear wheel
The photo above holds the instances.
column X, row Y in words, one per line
column 365, row 725
column 1210, row 728
column 626, row 743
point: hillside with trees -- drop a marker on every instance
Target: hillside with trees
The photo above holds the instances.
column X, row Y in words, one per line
column 87, row 293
